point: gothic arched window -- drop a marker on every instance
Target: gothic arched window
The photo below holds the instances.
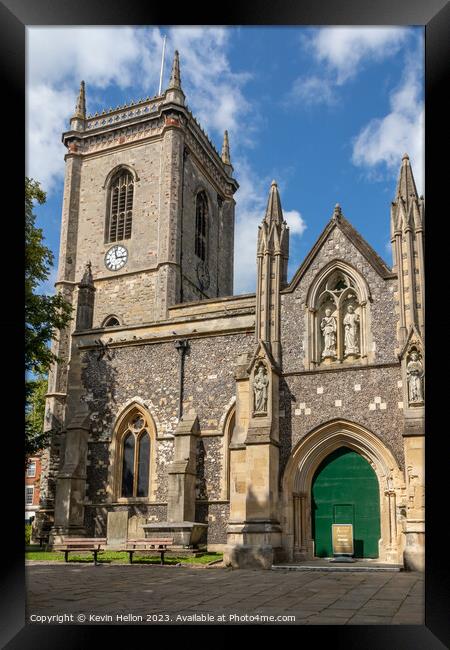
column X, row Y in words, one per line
column 111, row 321
column 201, row 225
column 120, row 207
column 338, row 317
column 229, row 429
column 134, row 455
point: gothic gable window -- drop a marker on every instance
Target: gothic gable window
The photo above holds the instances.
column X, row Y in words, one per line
column 201, row 225
column 133, row 455
column 338, row 317
column 120, row 206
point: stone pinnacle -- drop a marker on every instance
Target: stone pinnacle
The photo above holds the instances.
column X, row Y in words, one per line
column 226, row 149
column 175, row 79
column 80, row 109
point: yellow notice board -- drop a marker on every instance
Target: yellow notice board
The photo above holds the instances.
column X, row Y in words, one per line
column 342, row 536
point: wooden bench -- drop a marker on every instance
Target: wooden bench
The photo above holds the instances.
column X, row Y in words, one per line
column 42, row 539
column 157, row 545
column 90, row 544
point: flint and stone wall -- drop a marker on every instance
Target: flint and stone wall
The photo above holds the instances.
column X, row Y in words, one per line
column 371, row 397
column 149, row 374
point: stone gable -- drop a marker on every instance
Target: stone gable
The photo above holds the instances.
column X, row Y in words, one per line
column 294, row 308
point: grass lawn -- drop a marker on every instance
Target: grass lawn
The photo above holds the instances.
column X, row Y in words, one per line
column 114, row 557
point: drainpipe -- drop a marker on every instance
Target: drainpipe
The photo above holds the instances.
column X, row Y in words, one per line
column 181, row 345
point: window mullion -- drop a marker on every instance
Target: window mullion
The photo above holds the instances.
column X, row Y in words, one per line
column 339, row 334
column 136, row 466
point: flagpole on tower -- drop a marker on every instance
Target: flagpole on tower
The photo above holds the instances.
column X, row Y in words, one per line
column 162, row 66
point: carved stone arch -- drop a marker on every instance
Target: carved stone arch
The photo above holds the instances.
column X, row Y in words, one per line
column 123, row 423
column 327, row 270
column 108, row 321
column 146, row 405
column 227, row 425
column 118, row 168
column 320, row 297
column 201, row 187
column 120, row 194
column 346, row 295
column 298, row 476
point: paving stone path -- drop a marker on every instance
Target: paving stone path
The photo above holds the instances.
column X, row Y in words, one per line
column 178, row 595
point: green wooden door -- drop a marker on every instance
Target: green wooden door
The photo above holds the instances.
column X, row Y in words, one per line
column 345, row 491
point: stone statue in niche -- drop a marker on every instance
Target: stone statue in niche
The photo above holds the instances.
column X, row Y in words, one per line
column 414, row 376
column 260, row 389
column 351, row 331
column 329, row 328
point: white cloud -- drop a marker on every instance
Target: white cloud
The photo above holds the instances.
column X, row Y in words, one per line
column 295, row 221
column 47, row 110
column 342, row 52
column 382, row 142
column 100, row 55
column 125, row 58
column 311, row 91
column 57, row 59
column 212, row 89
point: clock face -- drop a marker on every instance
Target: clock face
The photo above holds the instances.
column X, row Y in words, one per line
column 116, row 257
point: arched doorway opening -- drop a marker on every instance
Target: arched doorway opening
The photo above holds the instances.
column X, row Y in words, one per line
column 306, row 459
column 345, row 490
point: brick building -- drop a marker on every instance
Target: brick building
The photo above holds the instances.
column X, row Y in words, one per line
column 237, row 418
column 32, row 487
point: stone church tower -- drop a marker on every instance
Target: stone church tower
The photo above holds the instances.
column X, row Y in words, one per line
column 178, row 406
column 145, row 175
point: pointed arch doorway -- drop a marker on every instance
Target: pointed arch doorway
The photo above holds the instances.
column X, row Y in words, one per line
column 345, row 490
column 304, row 465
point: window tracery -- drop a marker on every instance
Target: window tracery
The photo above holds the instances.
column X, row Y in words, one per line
column 134, row 457
column 338, row 317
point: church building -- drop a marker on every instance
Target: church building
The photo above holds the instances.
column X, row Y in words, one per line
column 250, row 423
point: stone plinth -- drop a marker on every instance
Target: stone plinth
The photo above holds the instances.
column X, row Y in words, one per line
column 181, row 498
column 184, row 533
column 253, row 545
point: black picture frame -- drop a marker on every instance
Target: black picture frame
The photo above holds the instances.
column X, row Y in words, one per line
column 15, row 16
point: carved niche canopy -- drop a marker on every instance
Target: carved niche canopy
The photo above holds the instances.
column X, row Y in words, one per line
column 413, row 369
column 260, row 389
column 337, row 306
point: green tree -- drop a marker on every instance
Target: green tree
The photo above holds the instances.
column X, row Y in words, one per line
column 34, row 415
column 44, row 316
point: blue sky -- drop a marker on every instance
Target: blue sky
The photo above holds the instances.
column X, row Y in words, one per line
column 326, row 112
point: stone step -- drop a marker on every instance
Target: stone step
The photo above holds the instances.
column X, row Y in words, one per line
column 335, row 567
